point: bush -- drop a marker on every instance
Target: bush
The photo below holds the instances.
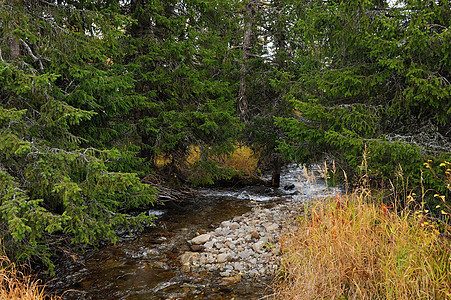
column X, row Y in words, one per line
column 207, row 171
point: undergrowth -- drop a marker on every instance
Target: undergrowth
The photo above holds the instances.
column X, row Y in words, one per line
column 354, row 247
column 203, row 168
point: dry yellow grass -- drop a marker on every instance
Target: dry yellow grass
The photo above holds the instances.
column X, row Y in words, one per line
column 242, row 159
column 349, row 248
column 14, row 285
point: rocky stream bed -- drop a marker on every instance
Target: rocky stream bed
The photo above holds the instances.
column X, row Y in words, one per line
column 224, row 244
column 244, row 247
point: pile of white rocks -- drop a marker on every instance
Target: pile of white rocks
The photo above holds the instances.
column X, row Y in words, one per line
column 246, row 246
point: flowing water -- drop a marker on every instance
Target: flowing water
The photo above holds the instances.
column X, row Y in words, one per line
column 144, row 265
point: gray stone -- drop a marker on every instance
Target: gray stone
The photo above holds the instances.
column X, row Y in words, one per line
column 258, row 246
column 245, row 254
column 234, row 226
column 226, row 224
column 211, row 259
column 238, row 266
column 208, row 245
column 264, row 239
column 223, row 257
column 231, row 245
column 203, row 259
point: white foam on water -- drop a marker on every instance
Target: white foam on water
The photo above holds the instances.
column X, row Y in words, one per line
column 296, row 182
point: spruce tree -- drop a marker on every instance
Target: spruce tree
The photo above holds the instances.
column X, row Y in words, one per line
column 62, row 91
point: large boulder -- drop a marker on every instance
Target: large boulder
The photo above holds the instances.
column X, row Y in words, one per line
column 201, row 239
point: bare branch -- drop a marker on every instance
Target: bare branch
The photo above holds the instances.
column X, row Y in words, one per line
column 34, row 57
column 30, row 52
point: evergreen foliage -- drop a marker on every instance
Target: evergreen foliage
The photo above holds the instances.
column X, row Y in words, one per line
column 371, row 76
column 92, row 92
column 60, row 102
column 181, row 58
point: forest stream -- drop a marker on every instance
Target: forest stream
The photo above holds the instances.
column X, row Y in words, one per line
column 147, row 265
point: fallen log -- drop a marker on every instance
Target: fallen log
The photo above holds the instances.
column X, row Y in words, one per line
column 166, row 193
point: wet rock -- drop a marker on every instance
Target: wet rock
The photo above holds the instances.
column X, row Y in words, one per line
column 247, row 245
column 188, row 257
column 197, row 248
column 201, row 239
column 230, row 280
column 289, row 187
column 186, row 267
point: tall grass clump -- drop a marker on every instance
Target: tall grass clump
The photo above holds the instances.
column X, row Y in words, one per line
column 14, row 285
column 353, row 247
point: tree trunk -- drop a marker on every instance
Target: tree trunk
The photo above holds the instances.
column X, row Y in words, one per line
column 276, row 170
column 247, row 47
column 14, row 47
